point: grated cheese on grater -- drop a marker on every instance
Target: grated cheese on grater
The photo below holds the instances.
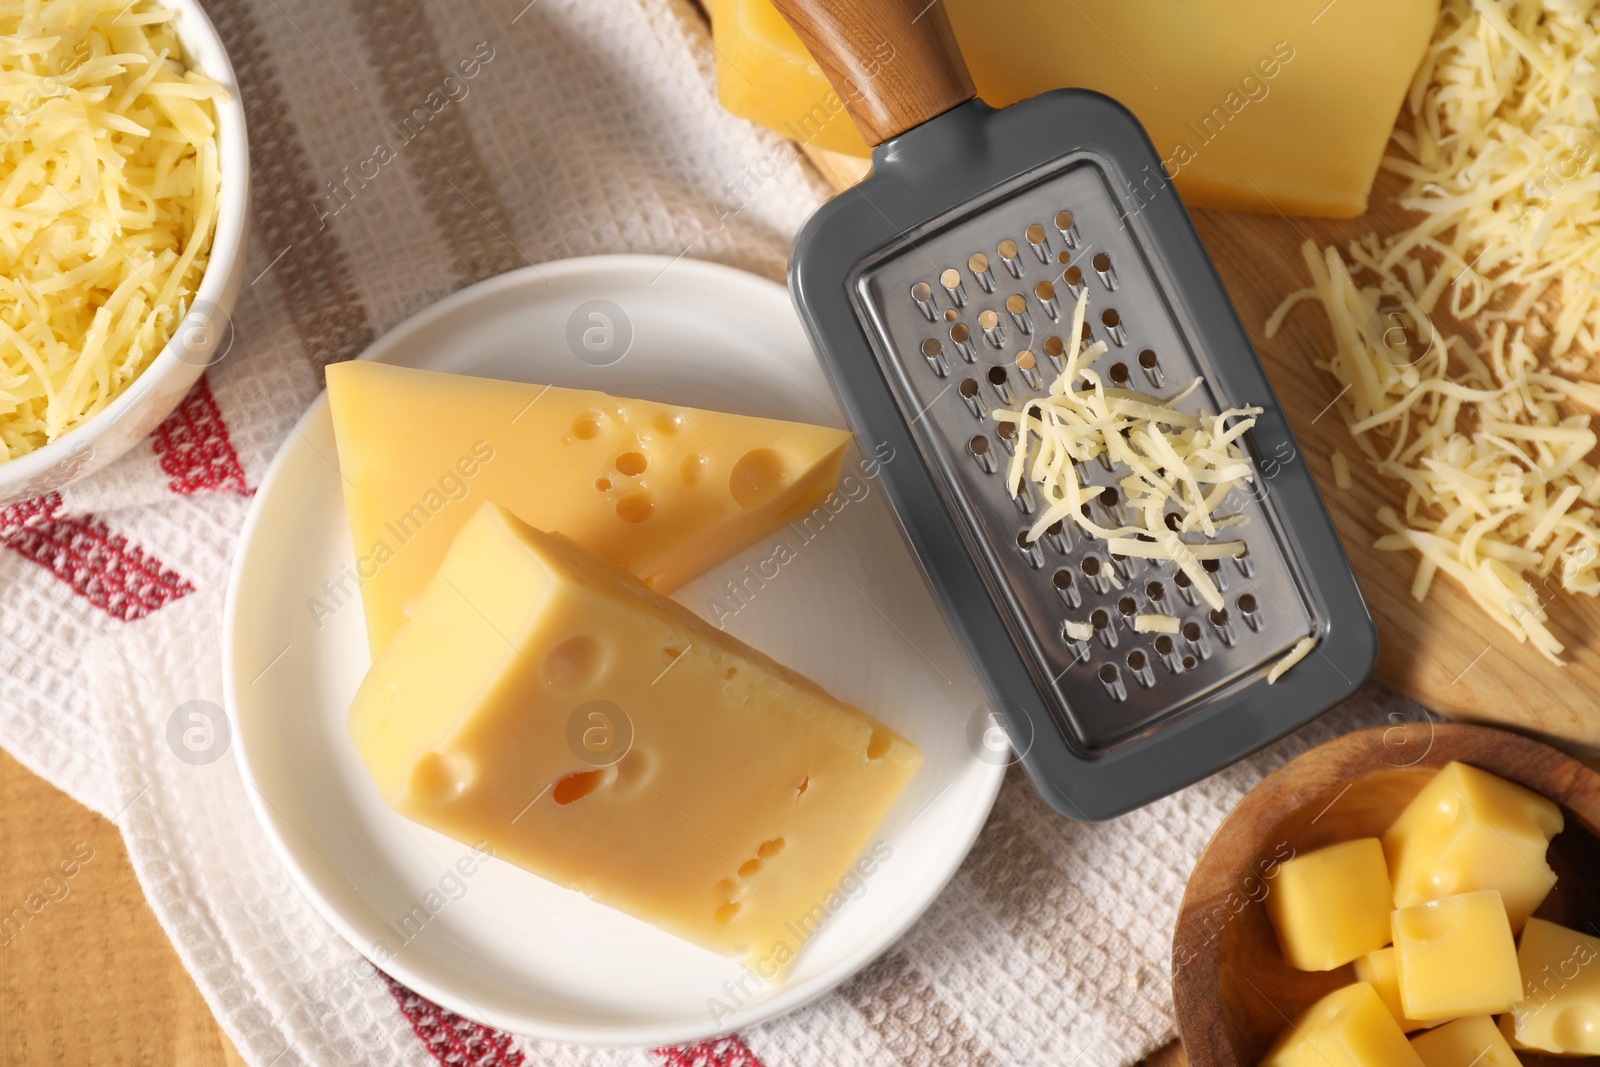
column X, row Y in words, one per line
column 1484, row 429
column 1182, row 466
column 108, row 200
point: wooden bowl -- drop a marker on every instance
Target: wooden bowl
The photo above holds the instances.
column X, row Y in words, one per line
column 1232, row 990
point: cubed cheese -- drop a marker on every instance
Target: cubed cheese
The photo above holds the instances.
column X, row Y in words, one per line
column 1560, row 1009
column 1470, row 830
column 1349, row 1027
column 1381, row 971
column 1456, row 957
column 1331, row 906
column 546, row 701
column 663, row 491
column 1473, row 1042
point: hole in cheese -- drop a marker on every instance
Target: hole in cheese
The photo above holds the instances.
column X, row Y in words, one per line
column 602, row 484
column 587, row 426
column 441, row 776
column 636, row 507
column 693, row 469
column 668, row 423
column 771, row 848
column 632, row 463
column 578, row 785
column 750, row 868
column 574, row 663
column 757, row 477
column 805, row 783
column 725, row 914
column 878, row 745
column 634, row 771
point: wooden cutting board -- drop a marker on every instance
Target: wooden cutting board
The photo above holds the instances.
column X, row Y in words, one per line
column 1444, row 653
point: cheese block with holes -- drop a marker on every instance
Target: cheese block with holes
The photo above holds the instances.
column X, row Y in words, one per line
column 664, row 491
column 608, row 739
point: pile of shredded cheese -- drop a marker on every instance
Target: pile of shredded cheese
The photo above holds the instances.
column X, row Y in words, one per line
column 1182, row 466
column 1485, row 429
column 108, row 201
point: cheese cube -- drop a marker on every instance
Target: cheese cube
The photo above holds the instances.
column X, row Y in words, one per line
column 547, row 702
column 663, row 491
column 1456, row 957
column 1349, row 1027
column 1473, row 1042
column 1381, row 971
column 1331, row 906
column 1470, row 830
column 1560, row 1009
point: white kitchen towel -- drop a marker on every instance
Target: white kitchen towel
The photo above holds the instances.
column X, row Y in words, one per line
column 401, row 150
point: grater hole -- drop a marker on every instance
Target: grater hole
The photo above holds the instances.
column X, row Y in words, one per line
column 1063, row 257
column 1119, row 374
column 1073, row 276
column 1053, row 347
column 1172, row 521
column 950, row 278
column 1188, row 663
column 1147, row 359
column 1025, row 360
column 1191, row 630
column 931, row 348
column 1100, row 620
column 1087, row 335
column 1008, row 249
column 1155, row 591
column 969, row 390
column 978, row 446
column 1102, row 262
column 1219, row 617
column 1181, row 580
column 1108, row 673
column 1110, row 317
column 1136, row 660
column 1164, row 645
column 1090, row 565
column 978, row 263
column 1128, row 606
column 1247, row 604
column 997, row 376
column 1015, row 304
column 1064, row 220
column 1211, row 565
column 1035, row 234
column 1108, row 497
column 1062, row 579
column 921, row 291
column 951, row 314
column 1022, row 540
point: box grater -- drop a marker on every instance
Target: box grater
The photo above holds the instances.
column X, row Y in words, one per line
column 967, row 247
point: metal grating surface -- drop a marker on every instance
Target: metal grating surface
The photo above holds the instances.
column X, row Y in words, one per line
column 948, row 334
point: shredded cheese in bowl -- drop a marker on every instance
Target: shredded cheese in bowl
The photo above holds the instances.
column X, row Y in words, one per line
column 1486, row 431
column 109, row 186
column 1182, row 466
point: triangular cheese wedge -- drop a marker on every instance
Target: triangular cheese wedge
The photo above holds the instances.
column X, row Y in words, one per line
column 663, row 491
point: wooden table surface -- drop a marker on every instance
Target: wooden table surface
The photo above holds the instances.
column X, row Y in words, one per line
column 91, row 978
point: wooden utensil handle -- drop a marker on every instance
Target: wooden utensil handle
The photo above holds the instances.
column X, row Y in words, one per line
column 894, row 63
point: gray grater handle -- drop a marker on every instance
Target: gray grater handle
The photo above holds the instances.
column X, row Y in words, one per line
column 895, row 63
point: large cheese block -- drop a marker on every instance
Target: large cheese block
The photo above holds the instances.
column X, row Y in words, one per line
column 602, row 736
column 1257, row 105
column 663, row 491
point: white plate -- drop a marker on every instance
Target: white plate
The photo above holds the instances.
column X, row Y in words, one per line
column 850, row 610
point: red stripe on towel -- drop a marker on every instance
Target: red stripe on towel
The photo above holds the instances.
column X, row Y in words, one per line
column 194, row 448
column 100, row 565
column 450, row 1039
column 718, row 1052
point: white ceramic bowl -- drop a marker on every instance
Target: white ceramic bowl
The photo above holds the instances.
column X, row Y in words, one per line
column 203, row 334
